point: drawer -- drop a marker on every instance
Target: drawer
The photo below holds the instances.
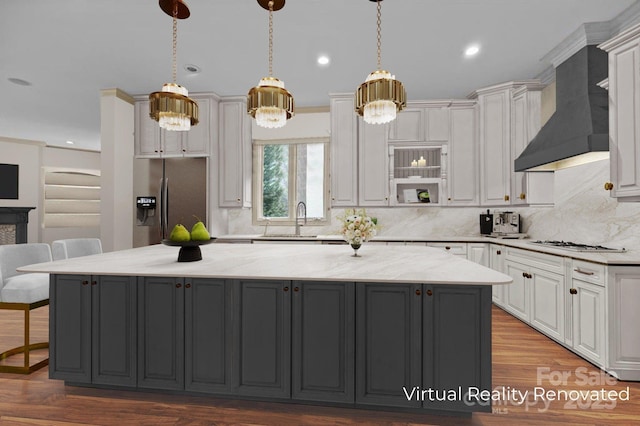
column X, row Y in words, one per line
column 453, row 248
column 590, row 272
column 546, row 262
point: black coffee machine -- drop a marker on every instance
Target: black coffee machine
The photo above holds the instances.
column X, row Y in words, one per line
column 486, row 223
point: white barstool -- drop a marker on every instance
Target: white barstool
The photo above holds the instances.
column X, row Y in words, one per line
column 75, row 247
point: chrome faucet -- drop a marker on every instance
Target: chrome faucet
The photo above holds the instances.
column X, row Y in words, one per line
column 301, row 211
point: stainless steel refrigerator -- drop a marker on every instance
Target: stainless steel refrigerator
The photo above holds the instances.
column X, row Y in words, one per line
column 180, row 188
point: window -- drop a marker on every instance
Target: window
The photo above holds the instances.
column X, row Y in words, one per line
column 287, row 172
column 71, row 198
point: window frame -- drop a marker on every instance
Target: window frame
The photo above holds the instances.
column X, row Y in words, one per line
column 258, row 172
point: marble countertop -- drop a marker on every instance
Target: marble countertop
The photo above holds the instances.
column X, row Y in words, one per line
column 316, row 262
column 630, row 257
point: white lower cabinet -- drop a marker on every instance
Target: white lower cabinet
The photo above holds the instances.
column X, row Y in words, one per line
column 588, row 306
column 537, row 293
column 457, row 249
column 623, row 316
column 478, row 253
column 496, row 262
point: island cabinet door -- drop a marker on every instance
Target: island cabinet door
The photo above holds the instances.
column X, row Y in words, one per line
column 456, row 348
column 161, row 333
column 323, row 332
column 114, row 330
column 207, row 330
column 70, row 328
column 388, row 343
column 262, row 338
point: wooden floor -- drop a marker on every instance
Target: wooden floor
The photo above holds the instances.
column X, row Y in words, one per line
column 518, row 354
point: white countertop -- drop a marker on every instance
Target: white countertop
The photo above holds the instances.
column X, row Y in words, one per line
column 317, row 262
column 630, row 257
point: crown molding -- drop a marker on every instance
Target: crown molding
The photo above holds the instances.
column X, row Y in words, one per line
column 586, row 34
column 547, row 76
column 525, row 84
column 626, row 19
column 620, row 39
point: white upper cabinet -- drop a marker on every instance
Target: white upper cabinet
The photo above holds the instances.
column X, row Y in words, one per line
column 373, row 182
column 153, row 142
column 421, row 122
column 462, row 177
column 509, row 117
column 234, row 156
column 344, row 150
column 494, row 105
column 624, row 114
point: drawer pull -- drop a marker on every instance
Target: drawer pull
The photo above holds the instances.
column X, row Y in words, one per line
column 580, row 271
column 286, row 289
column 85, row 282
column 418, row 292
column 573, row 290
column 447, row 248
column 429, row 293
column 499, row 252
column 178, row 285
column 94, row 282
column 187, row 285
column 296, row 289
column 608, row 186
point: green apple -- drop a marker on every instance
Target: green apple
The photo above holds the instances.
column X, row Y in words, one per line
column 179, row 234
column 199, row 231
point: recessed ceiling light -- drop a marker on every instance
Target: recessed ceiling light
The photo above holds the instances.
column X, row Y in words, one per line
column 472, row 50
column 323, row 60
column 70, row 142
column 19, row 81
column 193, row 69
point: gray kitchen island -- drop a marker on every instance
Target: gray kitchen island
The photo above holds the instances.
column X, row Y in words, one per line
column 399, row 327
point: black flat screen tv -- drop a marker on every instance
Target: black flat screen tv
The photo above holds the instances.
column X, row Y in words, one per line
column 8, row 181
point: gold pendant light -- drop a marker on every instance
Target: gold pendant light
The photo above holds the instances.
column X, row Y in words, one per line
column 381, row 95
column 269, row 102
column 172, row 108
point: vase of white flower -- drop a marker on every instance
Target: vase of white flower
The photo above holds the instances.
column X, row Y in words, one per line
column 358, row 227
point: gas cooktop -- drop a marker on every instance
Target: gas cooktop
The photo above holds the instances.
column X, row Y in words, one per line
column 568, row 245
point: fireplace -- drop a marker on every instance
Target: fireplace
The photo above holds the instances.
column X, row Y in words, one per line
column 13, row 224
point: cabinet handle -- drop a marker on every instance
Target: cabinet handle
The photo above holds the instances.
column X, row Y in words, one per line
column 238, row 200
column 94, row 283
column 522, row 196
column 85, row 282
column 178, row 285
column 524, row 274
column 506, row 198
column 187, row 285
column 286, row 289
column 608, row 186
column 296, row 289
column 447, row 248
column 184, row 150
column 580, row 271
column 449, row 199
column 155, row 150
column 333, row 198
column 573, row 290
column 429, row 293
column 499, row 252
column 161, row 151
column 418, row 292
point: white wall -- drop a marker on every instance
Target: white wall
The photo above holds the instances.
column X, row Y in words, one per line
column 28, row 156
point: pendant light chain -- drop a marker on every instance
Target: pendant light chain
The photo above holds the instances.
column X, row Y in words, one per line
column 174, row 67
column 379, row 34
column 270, row 38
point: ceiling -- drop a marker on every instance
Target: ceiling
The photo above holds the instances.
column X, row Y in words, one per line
column 71, row 49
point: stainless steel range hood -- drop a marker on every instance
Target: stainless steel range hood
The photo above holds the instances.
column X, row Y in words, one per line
column 578, row 131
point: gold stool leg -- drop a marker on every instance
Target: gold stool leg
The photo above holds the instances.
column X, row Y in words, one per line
column 27, row 347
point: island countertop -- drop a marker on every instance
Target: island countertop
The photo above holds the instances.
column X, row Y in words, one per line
column 376, row 263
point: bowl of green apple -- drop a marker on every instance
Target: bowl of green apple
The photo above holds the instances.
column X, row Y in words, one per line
column 189, row 242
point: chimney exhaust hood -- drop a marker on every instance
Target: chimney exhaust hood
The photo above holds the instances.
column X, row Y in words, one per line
column 578, row 132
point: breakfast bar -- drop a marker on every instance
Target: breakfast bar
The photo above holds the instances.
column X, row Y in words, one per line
column 395, row 328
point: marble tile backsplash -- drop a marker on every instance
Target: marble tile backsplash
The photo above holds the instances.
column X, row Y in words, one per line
column 583, row 212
